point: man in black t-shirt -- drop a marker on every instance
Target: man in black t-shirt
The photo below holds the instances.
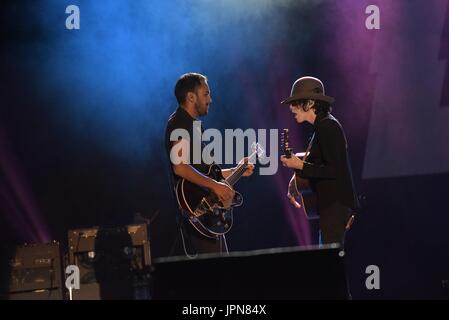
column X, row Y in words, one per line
column 193, row 96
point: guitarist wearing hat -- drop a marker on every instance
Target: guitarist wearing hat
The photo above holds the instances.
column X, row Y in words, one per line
column 326, row 164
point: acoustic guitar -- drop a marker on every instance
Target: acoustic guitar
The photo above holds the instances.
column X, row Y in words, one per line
column 300, row 187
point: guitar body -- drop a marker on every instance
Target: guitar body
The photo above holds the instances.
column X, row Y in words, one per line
column 307, row 197
column 300, row 187
column 203, row 209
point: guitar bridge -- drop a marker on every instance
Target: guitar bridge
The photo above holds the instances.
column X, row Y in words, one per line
column 202, row 208
column 204, row 201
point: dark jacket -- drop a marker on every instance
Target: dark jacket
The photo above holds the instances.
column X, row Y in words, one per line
column 328, row 167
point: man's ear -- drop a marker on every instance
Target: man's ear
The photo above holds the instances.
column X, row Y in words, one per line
column 190, row 96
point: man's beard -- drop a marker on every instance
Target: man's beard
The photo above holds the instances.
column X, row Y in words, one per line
column 199, row 110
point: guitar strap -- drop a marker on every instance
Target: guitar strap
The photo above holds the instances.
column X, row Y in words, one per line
column 306, row 154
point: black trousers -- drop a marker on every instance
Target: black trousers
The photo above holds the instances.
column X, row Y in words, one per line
column 194, row 242
column 333, row 220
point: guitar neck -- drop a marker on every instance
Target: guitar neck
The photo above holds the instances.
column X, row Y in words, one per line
column 238, row 172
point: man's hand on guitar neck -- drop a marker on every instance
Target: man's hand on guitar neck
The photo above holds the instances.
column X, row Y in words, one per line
column 248, row 171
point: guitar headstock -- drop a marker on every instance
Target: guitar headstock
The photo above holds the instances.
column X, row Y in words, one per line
column 257, row 149
column 284, row 143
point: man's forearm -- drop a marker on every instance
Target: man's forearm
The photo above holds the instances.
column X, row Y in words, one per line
column 191, row 174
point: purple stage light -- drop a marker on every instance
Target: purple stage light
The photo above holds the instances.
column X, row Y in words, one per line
column 17, row 202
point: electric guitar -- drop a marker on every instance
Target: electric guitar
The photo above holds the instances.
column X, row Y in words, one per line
column 205, row 212
column 300, row 186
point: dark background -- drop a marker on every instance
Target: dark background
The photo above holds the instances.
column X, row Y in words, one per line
column 83, row 113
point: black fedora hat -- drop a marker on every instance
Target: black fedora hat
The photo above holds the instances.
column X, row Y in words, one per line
column 308, row 88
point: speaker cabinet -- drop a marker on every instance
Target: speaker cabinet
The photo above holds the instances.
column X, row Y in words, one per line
column 35, row 273
column 113, row 262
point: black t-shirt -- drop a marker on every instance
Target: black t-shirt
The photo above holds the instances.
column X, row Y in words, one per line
column 181, row 119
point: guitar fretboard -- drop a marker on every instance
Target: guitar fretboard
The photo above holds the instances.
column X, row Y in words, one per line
column 238, row 172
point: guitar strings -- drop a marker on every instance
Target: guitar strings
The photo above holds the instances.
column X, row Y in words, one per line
column 238, row 172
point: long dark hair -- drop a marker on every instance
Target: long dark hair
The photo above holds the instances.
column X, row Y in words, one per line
column 321, row 107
